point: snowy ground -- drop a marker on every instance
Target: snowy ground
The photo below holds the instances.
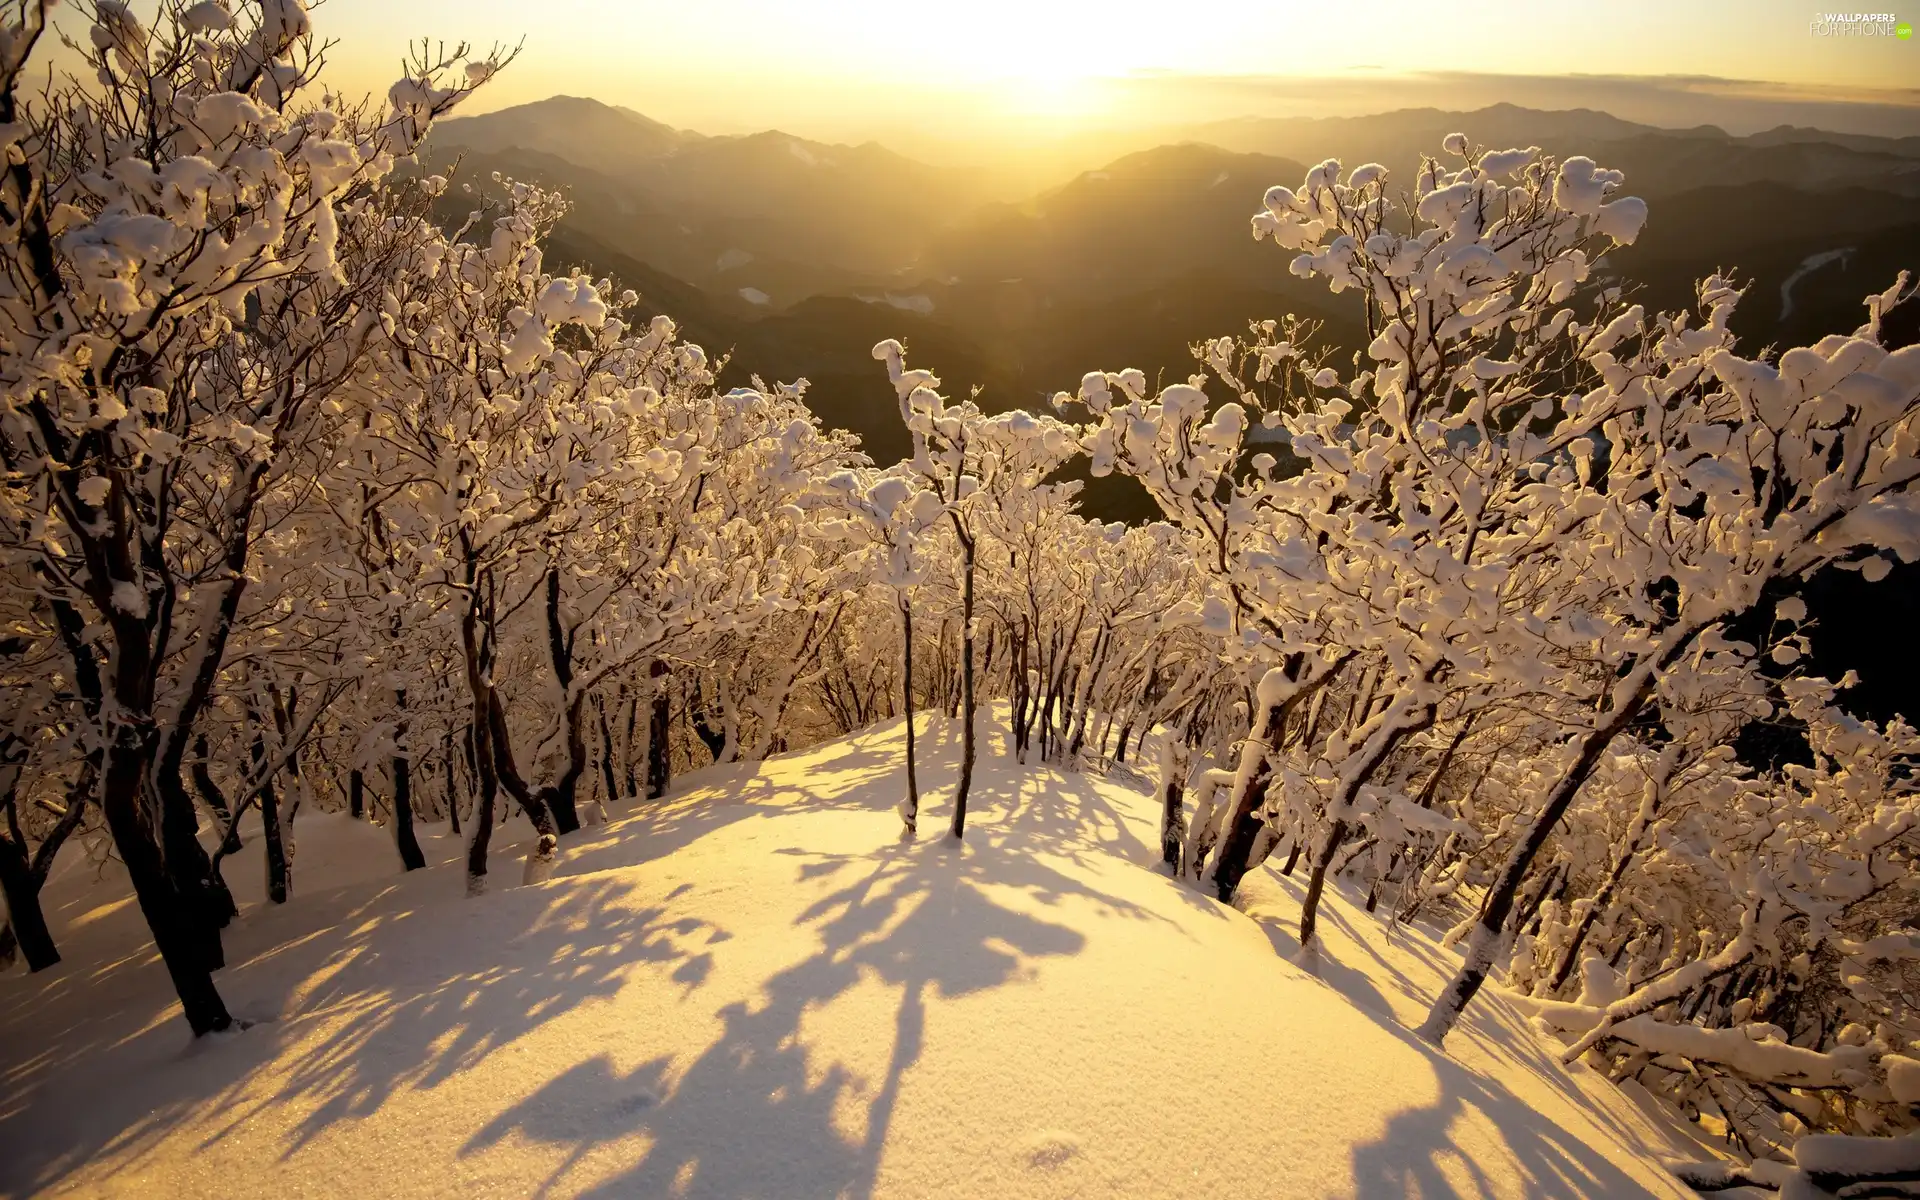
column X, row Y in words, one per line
column 754, row 989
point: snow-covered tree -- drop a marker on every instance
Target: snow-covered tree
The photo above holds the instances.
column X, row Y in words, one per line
column 195, row 256
column 969, row 460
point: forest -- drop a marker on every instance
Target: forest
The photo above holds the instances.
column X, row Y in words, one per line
column 327, row 489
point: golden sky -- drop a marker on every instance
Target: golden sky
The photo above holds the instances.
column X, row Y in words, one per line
column 968, row 69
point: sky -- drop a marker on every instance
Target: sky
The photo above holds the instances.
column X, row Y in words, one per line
column 1021, row 69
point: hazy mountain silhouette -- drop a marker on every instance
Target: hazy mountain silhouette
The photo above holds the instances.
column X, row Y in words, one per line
column 775, row 215
column 1398, row 139
column 794, row 256
column 1669, row 159
column 579, row 130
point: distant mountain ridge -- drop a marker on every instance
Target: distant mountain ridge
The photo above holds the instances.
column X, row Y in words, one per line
column 583, row 131
column 766, row 220
column 792, row 256
column 1658, row 162
column 812, row 216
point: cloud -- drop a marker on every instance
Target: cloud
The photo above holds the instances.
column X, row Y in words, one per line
column 1739, row 106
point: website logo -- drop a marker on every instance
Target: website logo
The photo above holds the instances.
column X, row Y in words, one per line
column 1859, row 25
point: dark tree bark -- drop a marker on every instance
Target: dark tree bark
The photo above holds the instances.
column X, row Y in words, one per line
column 1571, row 955
column 177, row 932
column 22, row 876
column 910, row 813
column 190, row 866
column 959, row 828
column 1506, row 886
column 1337, row 829
column 1240, row 826
column 486, row 789
column 215, row 799
column 1082, row 702
column 404, row 838
column 562, row 796
column 356, row 794
column 714, row 737
column 659, row 732
column 1293, row 858
column 453, row 793
column 1172, row 795
column 279, row 868
column 494, row 750
column 476, row 649
column 507, row 770
column 1529, row 908
column 632, row 707
column 1022, row 689
column 28, row 922
column 606, row 752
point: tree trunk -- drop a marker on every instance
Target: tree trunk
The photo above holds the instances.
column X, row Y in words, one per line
column 404, row 837
column 1240, row 826
column 22, row 876
column 561, row 797
column 1083, row 703
column 1485, row 938
column 487, row 789
column 606, row 753
column 1337, row 828
column 279, row 869
column 659, row 727
column 22, row 896
column 181, row 943
column 1023, row 680
column 453, row 793
column 636, row 727
column 910, row 808
column 966, row 684
column 215, row 798
column 186, row 861
column 1317, row 878
column 1202, row 829
column 1174, row 757
column 541, row 860
column 1571, row 955
column 211, row 794
column 714, row 737
column 411, row 859
column 1293, row 858
column 356, row 794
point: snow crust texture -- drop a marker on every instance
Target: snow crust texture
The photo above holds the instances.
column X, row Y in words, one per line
column 752, row 988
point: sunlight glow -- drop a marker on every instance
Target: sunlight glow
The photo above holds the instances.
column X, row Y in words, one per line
column 991, row 70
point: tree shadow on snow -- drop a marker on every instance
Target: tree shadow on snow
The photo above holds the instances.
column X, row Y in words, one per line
column 853, row 776
column 761, row 1112
column 1413, row 1154
column 407, row 1000
column 401, row 1008
column 1408, row 1159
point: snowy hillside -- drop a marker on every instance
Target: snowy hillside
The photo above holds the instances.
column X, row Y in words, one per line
column 753, row 989
column 361, row 546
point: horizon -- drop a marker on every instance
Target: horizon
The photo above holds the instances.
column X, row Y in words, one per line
column 961, row 127
column 960, row 87
column 1857, row 118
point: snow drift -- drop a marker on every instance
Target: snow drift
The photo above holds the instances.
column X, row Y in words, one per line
column 753, row 988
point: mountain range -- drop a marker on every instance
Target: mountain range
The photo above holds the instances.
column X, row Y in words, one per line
column 793, row 256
